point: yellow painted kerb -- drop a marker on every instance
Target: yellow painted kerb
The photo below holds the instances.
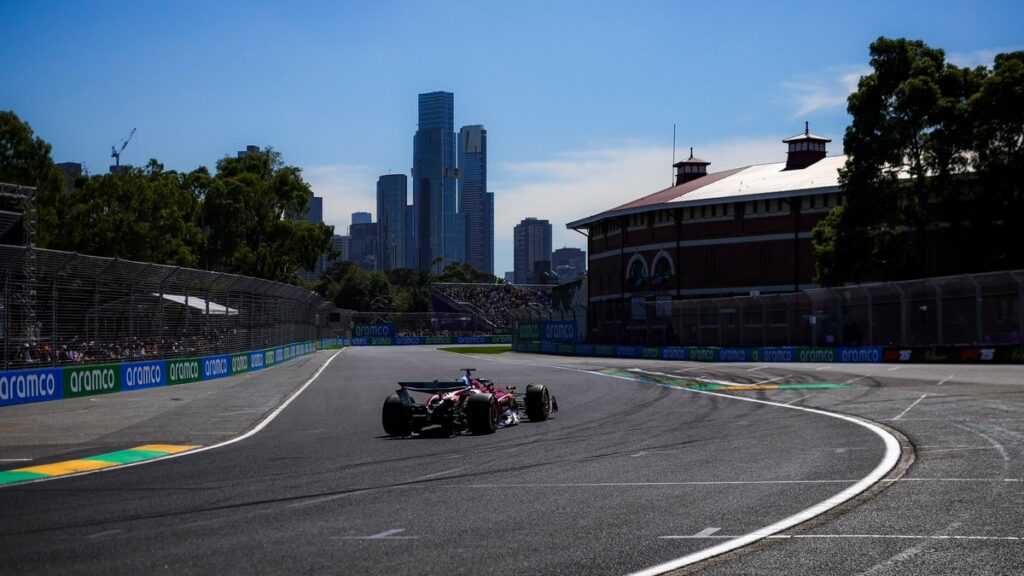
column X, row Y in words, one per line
column 68, row 467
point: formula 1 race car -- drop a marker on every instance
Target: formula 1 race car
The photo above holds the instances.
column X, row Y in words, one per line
column 468, row 404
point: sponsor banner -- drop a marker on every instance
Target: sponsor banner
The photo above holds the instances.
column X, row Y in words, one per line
column 216, row 367
column 585, row 349
column 138, row 375
column 519, row 346
column 674, row 353
column 775, row 355
column 240, row 363
column 373, row 330
column 604, row 350
column 472, row 340
column 91, row 380
column 287, row 351
column 733, row 355
column 528, row 331
column 702, row 354
column 816, row 355
column 548, row 348
column 628, row 351
column 652, row 353
column 408, row 340
column 360, row 341
column 184, row 371
column 956, row 354
column 278, row 355
column 533, row 347
column 503, row 339
column 257, row 360
column 24, row 386
column 437, row 340
column 860, row 355
column 381, row 341
column 558, row 331
column 566, row 349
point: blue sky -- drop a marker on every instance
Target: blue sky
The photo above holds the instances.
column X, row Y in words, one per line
column 578, row 98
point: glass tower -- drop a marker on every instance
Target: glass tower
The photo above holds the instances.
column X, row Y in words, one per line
column 532, row 251
column 475, row 202
column 392, row 192
column 438, row 234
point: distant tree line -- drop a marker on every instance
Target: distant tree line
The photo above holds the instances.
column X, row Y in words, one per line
column 935, row 170
column 243, row 219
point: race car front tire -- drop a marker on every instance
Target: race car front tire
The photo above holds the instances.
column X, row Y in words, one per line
column 395, row 417
column 538, row 402
column 482, row 413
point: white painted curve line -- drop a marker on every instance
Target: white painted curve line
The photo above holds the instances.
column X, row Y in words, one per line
column 946, row 379
column 263, row 424
column 902, row 414
column 888, row 462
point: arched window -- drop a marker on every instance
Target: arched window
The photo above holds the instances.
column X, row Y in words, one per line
column 663, row 268
column 636, row 271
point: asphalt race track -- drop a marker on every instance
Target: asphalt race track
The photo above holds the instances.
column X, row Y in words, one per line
column 628, row 476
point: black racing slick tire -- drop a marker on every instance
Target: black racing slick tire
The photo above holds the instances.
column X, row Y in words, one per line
column 395, row 417
column 538, row 402
column 482, row 413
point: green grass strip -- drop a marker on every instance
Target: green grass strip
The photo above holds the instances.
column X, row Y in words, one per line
column 127, row 456
column 12, row 476
column 480, row 349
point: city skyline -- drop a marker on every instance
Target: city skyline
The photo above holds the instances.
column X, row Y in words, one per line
column 577, row 123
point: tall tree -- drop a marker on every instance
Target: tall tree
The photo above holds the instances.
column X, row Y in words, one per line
column 25, row 160
column 908, row 146
column 246, row 209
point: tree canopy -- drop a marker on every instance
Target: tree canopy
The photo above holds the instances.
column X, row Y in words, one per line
column 245, row 219
column 932, row 151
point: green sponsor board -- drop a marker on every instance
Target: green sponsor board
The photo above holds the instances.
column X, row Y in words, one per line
column 604, row 350
column 533, row 347
column 239, row 363
column 816, row 354
column 91, row 380
column 650, row 352
column 569, row 349
column 184, row 371
column 383, row 341
column 528, row 331
column 269, row 359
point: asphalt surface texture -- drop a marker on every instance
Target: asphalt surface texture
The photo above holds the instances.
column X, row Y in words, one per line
column 627, row 476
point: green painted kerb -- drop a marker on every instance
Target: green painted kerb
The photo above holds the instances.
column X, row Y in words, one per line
column 127, row 456
column 12, row 476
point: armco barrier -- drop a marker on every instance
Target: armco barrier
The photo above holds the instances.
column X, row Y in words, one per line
column 25, row 386
column 329, row 343
column 861, row 355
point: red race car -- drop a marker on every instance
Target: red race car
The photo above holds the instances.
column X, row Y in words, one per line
column 469, row 404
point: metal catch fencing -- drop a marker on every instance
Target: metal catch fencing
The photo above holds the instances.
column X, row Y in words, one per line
column 61, row 308
column 966, row 309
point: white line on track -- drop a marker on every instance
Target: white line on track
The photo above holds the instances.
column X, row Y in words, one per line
column 756, row 368
column 893, row 369
column 263, row 424
column 855, row 536
column 888, row 462
column 15, row 459
column 770, row 380
column 791, row 402
column 654, row 484
column 911, row 406
column 946, row 379
column 852, row 380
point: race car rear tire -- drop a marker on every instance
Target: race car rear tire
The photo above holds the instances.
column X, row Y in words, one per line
column 482, row 413
column 538, row 402
column 395, row 417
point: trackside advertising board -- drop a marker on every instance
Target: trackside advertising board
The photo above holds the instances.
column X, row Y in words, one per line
column 41, row 385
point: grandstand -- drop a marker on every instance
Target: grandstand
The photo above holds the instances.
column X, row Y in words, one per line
column 496, row 304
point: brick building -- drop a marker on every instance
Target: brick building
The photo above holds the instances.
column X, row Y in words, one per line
column 736, row 232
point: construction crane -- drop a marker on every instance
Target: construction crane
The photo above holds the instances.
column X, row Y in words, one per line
column 116, row 154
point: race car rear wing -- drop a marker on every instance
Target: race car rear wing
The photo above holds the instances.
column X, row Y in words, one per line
column 434, row 387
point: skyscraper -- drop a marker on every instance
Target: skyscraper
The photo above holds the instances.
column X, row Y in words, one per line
column 363, row 241
column 568, row 263
column 362, row 217
column 433, row 183
column 475, row 202
column 392, row 191
column 532, row 251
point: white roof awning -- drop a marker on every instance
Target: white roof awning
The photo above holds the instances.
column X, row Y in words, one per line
column 199, row 304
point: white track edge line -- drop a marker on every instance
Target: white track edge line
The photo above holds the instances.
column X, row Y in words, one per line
column 263, row 424
column 889, row 461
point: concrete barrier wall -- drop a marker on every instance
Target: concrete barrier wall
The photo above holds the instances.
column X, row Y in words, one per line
column 328, row 343
column 44, row 384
